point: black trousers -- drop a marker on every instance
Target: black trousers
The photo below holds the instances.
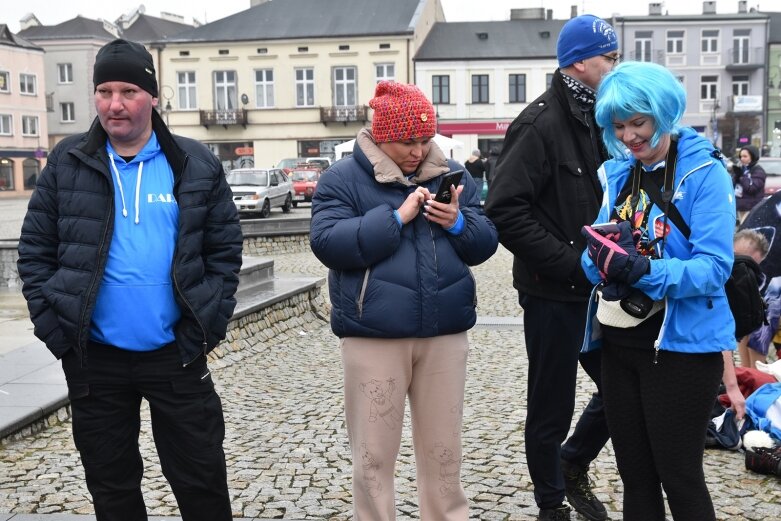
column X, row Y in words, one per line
column 658, row 415
column 187, row 425
column 554, row 335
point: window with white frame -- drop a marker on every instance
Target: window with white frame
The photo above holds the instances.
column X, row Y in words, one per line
column 385, row 71
column 710, row 41
column 344, row 86
column 740, row 45
column 185, row 86
column 517, row 88
column 264, row 88
column 5, row 81
column 27, row 84
column 643, row 40
column 67, row 113
column 65, row 73
column 675, row 42
column 29, row 125
column 305, row 87
column 225, row 97
column 479, row 88
column 440, row 90
column 709, row 86
column 6, row 126
column 740, row 85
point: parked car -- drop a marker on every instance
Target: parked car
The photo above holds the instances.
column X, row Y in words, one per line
column 258, row 191
column 288, row 164
column 304, row 184
column 772, row 167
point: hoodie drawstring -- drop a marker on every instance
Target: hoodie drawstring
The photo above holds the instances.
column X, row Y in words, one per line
column 122, row 191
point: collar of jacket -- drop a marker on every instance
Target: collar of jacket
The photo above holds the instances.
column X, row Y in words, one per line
column 565, row 97
column 97, row 136
column 387, row 171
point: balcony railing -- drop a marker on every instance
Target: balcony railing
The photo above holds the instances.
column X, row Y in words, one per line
column 224, row 117
column 745, row 57
column 350, row 114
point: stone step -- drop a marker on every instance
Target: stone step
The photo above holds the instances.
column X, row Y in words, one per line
column 270, row 291
column 255, row 270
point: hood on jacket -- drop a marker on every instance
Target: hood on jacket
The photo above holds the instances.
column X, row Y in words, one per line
column 387, row 171
column 753, row 152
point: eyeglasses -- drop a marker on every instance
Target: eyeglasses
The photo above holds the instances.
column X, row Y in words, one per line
column 614, row 58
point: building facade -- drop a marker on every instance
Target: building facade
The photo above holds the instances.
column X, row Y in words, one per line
column 287, row 79
column 481, row 75
column 23, row 123
column 721, row 61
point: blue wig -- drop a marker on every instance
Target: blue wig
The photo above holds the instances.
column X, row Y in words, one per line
column 639, row 88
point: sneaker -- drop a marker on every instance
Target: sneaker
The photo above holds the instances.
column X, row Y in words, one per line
column 577, row 487
column 560, row 513
column 763, row 460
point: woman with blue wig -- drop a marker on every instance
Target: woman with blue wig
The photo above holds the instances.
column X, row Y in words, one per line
column 659, row 310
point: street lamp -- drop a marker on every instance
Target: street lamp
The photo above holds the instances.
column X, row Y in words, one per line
column 168, row 94
column 714, row 121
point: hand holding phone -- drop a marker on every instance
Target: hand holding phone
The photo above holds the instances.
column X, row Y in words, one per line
column 450, row 179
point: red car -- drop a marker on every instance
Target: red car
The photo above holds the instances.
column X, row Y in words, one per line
column 304, row 184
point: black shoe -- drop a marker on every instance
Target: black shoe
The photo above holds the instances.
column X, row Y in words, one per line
column 763, row 460
column 577, row 487
column 560, row 513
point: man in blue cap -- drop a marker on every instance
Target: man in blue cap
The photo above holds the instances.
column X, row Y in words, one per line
column 544, row 189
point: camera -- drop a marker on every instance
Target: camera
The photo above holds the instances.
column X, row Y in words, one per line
column 637, row 304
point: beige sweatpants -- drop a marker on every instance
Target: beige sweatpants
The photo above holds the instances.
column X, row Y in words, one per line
column 378, row 375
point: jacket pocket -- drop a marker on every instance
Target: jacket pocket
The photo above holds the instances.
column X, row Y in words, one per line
column 362, row 293
column 577, row 180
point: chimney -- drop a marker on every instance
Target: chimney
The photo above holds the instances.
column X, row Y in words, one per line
column 709, row 7
column 29, row 20
column 655, row 9
column 549, row 14
column 528, row 13
column 573, row 12
column 742, row 6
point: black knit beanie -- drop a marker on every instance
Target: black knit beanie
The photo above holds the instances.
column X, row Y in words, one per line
column 122, row 60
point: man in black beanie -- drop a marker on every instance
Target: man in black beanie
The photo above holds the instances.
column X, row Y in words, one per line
column 129, row 257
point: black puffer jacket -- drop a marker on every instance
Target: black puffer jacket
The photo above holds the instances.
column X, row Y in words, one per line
column 66, row 234
column 544, row 189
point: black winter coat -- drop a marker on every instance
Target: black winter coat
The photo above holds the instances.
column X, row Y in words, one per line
column 66, row 234
column 544, row 189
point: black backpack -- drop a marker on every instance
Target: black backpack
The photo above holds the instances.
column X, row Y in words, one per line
column 745, row 301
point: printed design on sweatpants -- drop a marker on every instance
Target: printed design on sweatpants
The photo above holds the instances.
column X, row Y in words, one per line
column 370, row 467
column 448, row 468
column 458, row 412
column 381, row 405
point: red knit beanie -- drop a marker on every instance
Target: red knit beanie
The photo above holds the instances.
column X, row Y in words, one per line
column 401, row 112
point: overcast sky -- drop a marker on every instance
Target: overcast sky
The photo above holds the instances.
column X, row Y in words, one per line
column 52, row 12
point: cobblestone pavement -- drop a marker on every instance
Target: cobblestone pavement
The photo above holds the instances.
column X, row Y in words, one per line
column 287, row 446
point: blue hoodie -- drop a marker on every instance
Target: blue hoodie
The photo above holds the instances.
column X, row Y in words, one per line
column 136, row 308
column 691, row 276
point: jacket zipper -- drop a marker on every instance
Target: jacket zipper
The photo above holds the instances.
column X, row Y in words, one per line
column 79, row 340
column 205, row 344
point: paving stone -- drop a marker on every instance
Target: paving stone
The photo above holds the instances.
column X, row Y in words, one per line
column 286, row 441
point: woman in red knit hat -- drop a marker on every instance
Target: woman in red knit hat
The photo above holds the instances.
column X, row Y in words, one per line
column 402, row 299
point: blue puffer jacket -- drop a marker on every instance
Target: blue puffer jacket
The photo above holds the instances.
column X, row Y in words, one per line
column 388, row 281
column 691, row 276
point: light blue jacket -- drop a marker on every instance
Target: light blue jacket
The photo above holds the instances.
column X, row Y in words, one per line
column 691, row 275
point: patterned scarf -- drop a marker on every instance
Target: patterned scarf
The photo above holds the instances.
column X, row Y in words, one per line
column 583, row 94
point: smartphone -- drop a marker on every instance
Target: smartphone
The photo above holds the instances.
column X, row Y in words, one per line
column 448, row 180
